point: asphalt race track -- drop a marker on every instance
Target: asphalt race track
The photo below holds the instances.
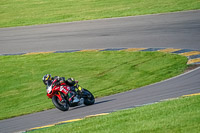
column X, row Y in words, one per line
column 172, row 30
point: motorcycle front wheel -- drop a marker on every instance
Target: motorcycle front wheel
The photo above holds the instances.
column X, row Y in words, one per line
column 63, row 106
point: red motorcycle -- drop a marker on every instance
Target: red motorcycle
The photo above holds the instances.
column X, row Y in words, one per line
column 60, row 95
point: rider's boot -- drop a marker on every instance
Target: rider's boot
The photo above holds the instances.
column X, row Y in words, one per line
column 81, row 101
column 76, row 99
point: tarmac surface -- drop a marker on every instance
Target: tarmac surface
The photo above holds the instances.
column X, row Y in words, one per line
column 171, row 30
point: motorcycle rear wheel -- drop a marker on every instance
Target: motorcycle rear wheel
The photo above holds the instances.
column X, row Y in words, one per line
column 89, row 99
column 61, row 106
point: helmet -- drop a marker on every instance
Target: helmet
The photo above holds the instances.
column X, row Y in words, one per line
column 46, row 78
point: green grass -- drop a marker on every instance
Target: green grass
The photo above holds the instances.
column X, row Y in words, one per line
column 103, row 73
column 175, row 116
column 32, row 12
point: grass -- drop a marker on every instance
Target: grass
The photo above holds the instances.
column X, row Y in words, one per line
column 34, row 12
column 175, row 116
column 103, row 73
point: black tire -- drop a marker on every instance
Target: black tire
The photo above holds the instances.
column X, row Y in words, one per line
column 59, row 105
column 88, row 98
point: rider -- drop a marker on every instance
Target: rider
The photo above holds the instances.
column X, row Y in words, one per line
column 59, row 80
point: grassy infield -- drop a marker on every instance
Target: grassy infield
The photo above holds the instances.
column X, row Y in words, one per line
column 31, row 12
column 21, row 86
column 104, row 73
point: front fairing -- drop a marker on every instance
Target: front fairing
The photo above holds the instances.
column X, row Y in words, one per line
column 53, row 89
column 49, row 87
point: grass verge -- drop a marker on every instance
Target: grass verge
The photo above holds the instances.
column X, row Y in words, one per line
column 103, row 73
column 180, row 115
column 23, row 12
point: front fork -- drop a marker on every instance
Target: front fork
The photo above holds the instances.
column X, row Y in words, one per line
column 61, row 97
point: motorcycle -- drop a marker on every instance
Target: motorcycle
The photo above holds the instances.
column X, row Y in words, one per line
column 60, row 95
